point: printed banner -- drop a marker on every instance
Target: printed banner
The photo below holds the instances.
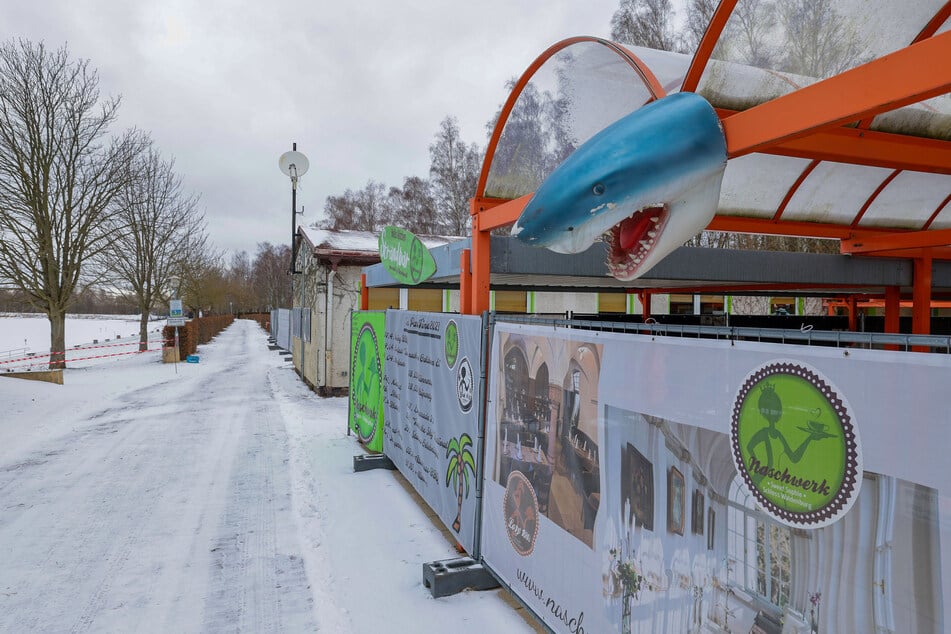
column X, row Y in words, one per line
column 682, row 485
column 431, row 417
column 366, row 377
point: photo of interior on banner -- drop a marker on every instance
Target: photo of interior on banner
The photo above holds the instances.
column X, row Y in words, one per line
column 548, row 427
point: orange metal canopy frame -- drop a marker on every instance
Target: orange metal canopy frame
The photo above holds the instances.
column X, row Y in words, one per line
column 825, row 122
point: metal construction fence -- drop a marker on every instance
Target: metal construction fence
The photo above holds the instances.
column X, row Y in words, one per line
column 640, row 477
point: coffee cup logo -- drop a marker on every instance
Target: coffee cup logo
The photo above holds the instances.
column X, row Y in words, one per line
column 520, row 507
column 795, row 444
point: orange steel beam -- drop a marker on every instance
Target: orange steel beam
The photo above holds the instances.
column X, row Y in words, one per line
column 709, row 41
column 645, row 296
column 865, row 147
column 939, row 18
column 872, row 148
column 795, row 187
column 936, row 253
column 897, row 241
column 740, row 224
column 921, row 295
column 853, row 313
column 480, row 267
column 889, row 82
column 868, row 201
column 881, row 303
column 501, row 214
column 937, row 211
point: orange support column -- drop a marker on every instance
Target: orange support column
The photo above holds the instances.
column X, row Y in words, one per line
column 645, row 305
column 921, row 297
column 480, row 267
column 853, row 317
column 364, row 293
column 465, row 283
column 892, row 313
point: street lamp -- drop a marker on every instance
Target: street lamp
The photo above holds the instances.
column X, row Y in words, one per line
column 293, row 164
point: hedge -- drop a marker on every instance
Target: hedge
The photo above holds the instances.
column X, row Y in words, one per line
column 263, row 319
column 196, row 332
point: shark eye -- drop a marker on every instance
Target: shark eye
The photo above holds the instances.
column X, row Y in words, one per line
column 598, row 189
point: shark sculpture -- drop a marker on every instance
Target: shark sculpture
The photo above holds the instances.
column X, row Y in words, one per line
column 647, row 183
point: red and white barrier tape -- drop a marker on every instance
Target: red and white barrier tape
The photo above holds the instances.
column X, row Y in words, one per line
column 35, row 357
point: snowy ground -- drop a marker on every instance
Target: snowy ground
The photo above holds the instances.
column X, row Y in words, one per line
column 32, row 331
column 25, row 339
column 211, row 497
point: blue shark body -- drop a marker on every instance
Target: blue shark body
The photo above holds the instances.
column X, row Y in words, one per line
column 650, row 181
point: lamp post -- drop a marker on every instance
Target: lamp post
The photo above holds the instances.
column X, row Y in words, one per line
column 294, row 165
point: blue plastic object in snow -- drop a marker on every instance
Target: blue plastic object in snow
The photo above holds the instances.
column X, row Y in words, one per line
column 192, row 358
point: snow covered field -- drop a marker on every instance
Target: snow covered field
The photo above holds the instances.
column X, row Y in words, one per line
column 19, row 330
column 210, row 497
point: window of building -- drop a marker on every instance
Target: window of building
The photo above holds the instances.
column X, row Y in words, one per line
column 759, row 549
column 425, row 300
column 510, row 301
column 612, row 303
column 383, row 298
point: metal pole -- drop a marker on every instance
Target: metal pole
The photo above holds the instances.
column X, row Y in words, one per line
column 293, row 227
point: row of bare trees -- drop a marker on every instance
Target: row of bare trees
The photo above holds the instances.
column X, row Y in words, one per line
column 437, row 205
column 83, row 206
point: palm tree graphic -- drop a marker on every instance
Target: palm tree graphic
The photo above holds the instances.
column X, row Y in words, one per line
column 461, row 463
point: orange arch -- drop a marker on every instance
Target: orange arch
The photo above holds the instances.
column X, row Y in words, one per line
column 645, row 73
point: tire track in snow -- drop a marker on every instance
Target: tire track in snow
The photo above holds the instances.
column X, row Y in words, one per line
column 123, row 525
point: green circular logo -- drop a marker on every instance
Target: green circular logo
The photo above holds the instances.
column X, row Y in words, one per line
column 795, row 444
column 451, row 343
column 367, row 385
column 416, row 261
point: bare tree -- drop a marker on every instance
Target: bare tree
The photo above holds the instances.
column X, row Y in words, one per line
column 699, row 14
column 366, row 209
column 155, row 218
column 414, row 207
column 271, row 283
column 820, row 42
column 240, row 283
column 750, row 27
column 453, row 173
column 202, row 276
column 646, row 23
column 58, row 176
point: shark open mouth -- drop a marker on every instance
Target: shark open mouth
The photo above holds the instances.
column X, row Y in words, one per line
column 631, row 241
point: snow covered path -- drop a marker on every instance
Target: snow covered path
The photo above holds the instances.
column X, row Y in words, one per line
column 163, row 512
column 219, row 498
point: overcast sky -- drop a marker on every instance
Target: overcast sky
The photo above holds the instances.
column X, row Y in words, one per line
column 226, row 87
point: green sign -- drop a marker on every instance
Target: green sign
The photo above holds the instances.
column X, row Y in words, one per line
column 795, row 444
column 451, row 343
column 366, row 378
column 405, row 257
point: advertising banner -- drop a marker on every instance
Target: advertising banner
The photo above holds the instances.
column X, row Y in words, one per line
column 366, row 377
column 431, row 417
column 405, row 257
column 639, row 484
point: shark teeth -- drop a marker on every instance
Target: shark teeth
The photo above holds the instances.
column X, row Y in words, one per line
column 626, row 254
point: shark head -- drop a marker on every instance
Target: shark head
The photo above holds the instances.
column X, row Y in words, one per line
column 646, row 184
